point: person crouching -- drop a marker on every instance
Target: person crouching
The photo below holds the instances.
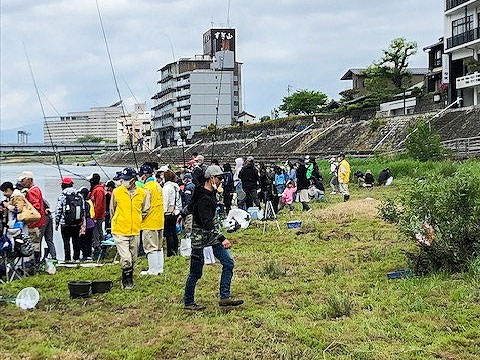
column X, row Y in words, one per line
column 128, row 206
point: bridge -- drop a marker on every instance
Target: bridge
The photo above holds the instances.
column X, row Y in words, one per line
column 64, row 149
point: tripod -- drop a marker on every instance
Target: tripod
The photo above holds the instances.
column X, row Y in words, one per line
column 270, row 215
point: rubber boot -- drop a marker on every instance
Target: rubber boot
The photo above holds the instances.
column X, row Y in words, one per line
column 346, row 198
column 160, row 261
column 152, row 264
column 127, row 278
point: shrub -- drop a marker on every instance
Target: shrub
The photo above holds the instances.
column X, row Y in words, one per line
column 274, row 270
column 330, row 269
column 338, row 305
column 389, row 211
column 424, row 143
column 376, row 124
column 442, row 217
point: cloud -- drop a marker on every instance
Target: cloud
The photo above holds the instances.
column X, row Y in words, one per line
column 304, row 43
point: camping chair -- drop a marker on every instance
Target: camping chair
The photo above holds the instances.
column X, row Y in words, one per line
column 107, row 244
column 12, row 259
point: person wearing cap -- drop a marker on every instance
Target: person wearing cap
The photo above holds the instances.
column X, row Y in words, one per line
column 152, row 224
column 343, row 177
column 302, row 186
column 206, row 233
column 86, row 230
column 172, row 206
column 129, row 206
column 69, row 227
column 161, row 174
column 98, row 197
column 334, row 172
column 35, row 197
column 199, row 171
column 250, row 181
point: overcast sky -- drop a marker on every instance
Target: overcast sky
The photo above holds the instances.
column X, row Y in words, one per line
column 308, row 44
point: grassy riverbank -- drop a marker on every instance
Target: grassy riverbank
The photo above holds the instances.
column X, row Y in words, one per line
column 321, row 293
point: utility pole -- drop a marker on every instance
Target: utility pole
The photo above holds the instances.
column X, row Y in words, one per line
column 289, row 88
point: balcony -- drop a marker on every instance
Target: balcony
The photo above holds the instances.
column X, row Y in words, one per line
column 468, row 81
column 184, row 92
column 182, row 103
column 454, row 3
column 463, row 38
column 182, row 113
column 183, row 82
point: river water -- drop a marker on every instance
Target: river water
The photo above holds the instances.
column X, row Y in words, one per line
column 47, row 178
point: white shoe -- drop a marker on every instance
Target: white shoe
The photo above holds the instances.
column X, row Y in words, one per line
column 333, row 193
column 160, row 261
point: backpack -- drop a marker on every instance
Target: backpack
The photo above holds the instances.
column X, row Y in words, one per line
column 73, row 209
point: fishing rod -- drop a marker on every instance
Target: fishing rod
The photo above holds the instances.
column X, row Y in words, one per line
column 68, row 126
column 115, row 81
column 43, row 111
column 82, row 177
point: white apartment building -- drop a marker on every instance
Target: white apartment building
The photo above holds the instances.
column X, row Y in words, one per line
column 136, row 124
column 462, row 45
column 196, row 92
column 99, row 122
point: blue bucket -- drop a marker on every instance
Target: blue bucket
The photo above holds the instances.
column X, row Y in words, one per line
column 296, row 224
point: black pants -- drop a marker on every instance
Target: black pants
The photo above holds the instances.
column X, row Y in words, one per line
column 170, row 231
column 47, row 232
column 227, row 201
column 73, row 233
column 86, row 242
column 252, row 198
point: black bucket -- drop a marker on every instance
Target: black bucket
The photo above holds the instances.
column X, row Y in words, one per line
column 101, row 287
column 79, row 289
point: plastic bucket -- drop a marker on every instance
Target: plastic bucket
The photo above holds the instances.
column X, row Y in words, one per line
column 294, row 224
column 101, row 287
column 253, row 211
column 79, row 289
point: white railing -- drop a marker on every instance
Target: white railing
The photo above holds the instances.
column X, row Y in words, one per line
column 183, row 92
column 182, row 103
column 183, row 82
column 468, row 81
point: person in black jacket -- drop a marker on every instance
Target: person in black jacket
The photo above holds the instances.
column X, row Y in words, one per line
column 199, row 171
column 206, row 233
column 228, row 187
column 302, row 186
column 250, row 179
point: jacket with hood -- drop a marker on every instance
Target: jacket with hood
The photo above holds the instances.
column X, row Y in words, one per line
column 172, row 200
column 249, row 177
column 238, row 168
column 344, row 172
column 61, row 202
column 97, row 195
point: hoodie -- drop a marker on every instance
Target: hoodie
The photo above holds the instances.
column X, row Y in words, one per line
column 98, row 197
column 60, row 208
column 238, row 167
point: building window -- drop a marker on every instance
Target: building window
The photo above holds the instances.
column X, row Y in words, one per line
column 462, row 25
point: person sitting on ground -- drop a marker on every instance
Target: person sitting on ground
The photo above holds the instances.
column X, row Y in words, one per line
column 359, row 177
column 128, row 206
column 206, row 233
column 384, row 175
column 69, row 214
column 288, row 196
column 369, row 180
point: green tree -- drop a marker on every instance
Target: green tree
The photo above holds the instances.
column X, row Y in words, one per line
column 303, row 102
column 264, row 118
column 424, row 143
column 390, row 75
column 89, row 139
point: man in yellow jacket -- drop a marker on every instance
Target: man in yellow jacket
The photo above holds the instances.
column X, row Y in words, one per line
column 152, row 224
column 343, row 176
column 128, row 207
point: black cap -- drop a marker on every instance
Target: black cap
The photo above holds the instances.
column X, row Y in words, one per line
column 117, row 176
column 128, row 173
column 145, row 169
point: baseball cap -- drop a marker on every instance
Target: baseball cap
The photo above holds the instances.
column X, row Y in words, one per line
column 163, row 168
column 93, row 176
column 67, row 180
column 200, row 158
column 213, row 170
column 25, row 175
column 117, row 176
column 145, row 169
column 187, row 176
column 128, row 173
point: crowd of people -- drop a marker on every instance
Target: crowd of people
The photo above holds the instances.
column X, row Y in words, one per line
column 139, row 208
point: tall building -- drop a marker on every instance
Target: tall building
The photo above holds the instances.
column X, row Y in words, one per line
column 462, row 48
column 99, row 122
column 136, row 124
column 198, row 91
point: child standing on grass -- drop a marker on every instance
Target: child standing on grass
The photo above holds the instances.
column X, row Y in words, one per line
column 288, row 196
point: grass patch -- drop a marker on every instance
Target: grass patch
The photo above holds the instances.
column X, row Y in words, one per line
column 338, row 305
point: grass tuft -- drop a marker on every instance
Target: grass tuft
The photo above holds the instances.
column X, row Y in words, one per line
column 338, row 305
column 274, row 270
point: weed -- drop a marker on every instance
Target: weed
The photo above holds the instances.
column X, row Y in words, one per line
column 338, row 305
column 274, row 270
column 330, row 269
column 376, row 124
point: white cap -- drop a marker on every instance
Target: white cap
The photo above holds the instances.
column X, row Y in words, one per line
column 25, row 175
column 163, row 168
column 213, row 170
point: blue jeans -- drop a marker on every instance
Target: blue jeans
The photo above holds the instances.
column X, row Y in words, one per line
column 196, row 267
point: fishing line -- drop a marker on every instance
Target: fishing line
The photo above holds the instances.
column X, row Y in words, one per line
column 68, row 126
column 115, row 81
column 43, row 110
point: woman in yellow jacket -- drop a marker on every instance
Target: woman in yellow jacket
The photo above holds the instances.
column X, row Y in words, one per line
column 343, row 177
column 152, row 224
column 128, row 207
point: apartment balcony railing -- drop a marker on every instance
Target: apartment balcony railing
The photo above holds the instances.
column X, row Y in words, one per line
column 183, row 82
column 468, row 81
column 183, row 92
column 454, row 3
column 463, row 38
column 182, row 113
column 182, row 103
